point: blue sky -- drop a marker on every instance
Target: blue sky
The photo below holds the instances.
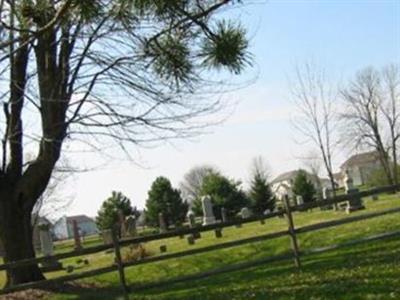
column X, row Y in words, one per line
column 341, row 36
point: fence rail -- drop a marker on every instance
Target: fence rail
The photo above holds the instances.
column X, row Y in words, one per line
column 292, row 232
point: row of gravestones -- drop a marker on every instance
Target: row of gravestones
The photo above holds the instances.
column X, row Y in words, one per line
column 43, row 242
column 354, row 204
column 208, row 213
column 127, row 226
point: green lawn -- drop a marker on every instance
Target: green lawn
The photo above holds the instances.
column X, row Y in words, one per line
column 368, row 271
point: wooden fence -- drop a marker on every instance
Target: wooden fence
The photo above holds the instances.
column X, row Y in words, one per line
column 295, row 253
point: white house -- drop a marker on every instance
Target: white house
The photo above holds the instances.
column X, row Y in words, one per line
column 282, row 184
column 359, row 167
column 63, row 228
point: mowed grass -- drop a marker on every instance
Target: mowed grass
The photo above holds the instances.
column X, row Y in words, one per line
column 368, row 271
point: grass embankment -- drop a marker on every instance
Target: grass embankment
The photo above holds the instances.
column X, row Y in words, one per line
column 369, row 271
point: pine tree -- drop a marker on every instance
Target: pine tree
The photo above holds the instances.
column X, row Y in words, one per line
column 260, row 194
column 163, row 198
column 302, row 186
column 224, row 192
column 107, row 216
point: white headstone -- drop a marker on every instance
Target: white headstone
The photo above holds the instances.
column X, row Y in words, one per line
column 299, row 200
column 348, row 182
column 208, row 213
column 325, row 193
column 245, row 213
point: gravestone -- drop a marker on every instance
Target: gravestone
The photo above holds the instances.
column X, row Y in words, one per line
column 208, row 213
column 121, row 222
column 326, row 193
column 46, row 241
column 299, row 200
column 161, row 222
column 245, row 213
column 107, row 236
column 218, row 233
column 354, row 203
column 47, row 247
column 77, row 238
column 163, row 248
column 131, row 230
column 224, row 216
column 348, row 183
column 191, row 219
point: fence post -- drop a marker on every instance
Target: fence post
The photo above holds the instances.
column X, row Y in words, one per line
column 118, row 260
column 292, row 232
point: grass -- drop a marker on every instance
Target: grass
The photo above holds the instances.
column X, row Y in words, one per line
column 369, row 271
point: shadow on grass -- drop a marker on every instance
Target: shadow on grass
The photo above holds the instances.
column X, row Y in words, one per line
column 359, row 273
column 370, row 271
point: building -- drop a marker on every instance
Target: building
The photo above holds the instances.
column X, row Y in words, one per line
column 282, row 184
column 359, row 168
column 63, row 228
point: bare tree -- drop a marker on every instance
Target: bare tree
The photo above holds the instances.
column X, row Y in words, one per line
column 55, row 198
column 193, row 180
column 99, row 72
column 259, row 167
column 390, row 107
column 316, row 120
column 313, row 164
column 362, row 117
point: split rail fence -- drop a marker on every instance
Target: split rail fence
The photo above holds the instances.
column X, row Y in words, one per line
column 295, row 253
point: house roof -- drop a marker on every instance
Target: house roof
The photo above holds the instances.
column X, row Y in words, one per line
column 79, row 219
column 359, row 159
column 289, row 175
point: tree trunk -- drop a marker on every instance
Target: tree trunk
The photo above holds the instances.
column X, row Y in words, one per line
column 16, row 235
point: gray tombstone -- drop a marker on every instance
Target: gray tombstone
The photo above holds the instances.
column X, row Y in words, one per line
column 130, row 225
column 224, row 216
column 245, row 213
column 47, row 247
column 191, row 219
column 161, row 223
column 208, row 213
column 46, row 241
column 107, row 236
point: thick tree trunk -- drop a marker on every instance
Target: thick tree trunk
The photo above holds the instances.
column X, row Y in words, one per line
column 16, row 235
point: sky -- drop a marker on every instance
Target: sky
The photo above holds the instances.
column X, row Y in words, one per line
column 341, row 36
